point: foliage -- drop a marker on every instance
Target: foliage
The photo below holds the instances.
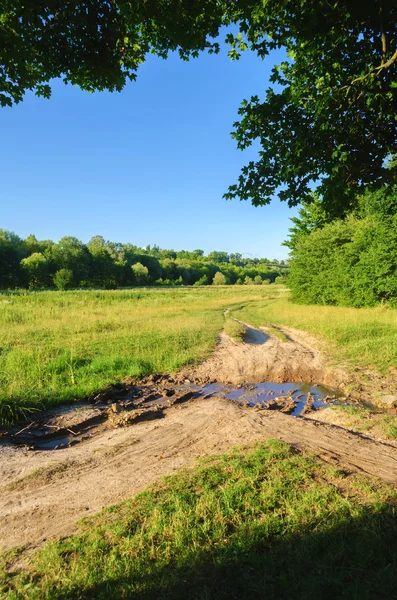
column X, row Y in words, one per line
column 350, row 262
column 248, row 524
column 329, row 119
column 141, row 274
column 219, row 279
column 105, row 264
column 36, row 267
column 63, row 279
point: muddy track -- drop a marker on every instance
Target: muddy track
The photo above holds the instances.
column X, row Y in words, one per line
column 44, row 493
column 80, row 480
column 292, row 356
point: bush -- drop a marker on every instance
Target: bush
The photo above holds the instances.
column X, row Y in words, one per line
column 37, row 270
column 202, row 281
column 63, row 279
column 219, row 279
column 258, row 280
column 280, row 280
column 141, row 274
column 266, row 282
column 348, row 263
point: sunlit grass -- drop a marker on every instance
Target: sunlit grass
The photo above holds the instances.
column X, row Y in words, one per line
column 268, row 523
column 61, row 346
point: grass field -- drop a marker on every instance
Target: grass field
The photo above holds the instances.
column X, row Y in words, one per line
column 264, row 523
column 60, row 346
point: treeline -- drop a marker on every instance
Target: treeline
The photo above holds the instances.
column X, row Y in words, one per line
column 351, row 261
column 38, row 264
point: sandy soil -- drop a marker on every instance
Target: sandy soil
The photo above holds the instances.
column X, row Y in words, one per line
column 266, row 357
column 43, row 494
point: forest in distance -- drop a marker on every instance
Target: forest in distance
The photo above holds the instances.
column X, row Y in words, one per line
column 34, row 264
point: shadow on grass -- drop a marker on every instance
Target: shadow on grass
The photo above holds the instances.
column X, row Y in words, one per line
column 356, row 559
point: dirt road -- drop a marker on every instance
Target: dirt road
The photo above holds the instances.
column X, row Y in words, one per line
column 44, row 494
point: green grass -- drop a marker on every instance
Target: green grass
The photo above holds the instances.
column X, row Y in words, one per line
column 365, row 337
column 60, row 346
column 265, row 523
column 389, row 427
column 234, row 329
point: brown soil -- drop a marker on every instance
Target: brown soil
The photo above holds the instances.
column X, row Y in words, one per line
column 292, row 357
column 44, row 494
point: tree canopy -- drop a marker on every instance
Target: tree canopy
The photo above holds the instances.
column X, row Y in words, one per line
column 328, row 121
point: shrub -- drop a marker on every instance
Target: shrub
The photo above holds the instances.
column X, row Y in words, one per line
column 141, row 274
column 63, row 279
column 219, row 279
column 37, row 270
column 202, row 281
column 258, row 280
column 348, row 263
column 280, row 280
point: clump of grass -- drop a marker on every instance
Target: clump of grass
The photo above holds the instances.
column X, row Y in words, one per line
column 389, row 427
column 270, row 523
column 276, row 332
column 357, row 411
column 234, row 329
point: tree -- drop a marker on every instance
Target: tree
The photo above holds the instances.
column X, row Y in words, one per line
column 37, row 269
column 63, row 279
column 141, row 274
column 328, row 121
column 12, row 251
column 71, row 253
column 219, row 279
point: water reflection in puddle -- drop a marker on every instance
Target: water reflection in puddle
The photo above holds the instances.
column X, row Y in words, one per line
column 304, row 395
column 142, row 403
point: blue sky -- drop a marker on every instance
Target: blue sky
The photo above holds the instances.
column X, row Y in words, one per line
column 147, row 166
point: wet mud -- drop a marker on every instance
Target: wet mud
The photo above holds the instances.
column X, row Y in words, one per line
column 70, row 425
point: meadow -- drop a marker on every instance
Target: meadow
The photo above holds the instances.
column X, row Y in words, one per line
column 63, row 346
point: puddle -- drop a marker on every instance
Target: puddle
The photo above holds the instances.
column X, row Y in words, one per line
column 296, row 398
column 69, row 425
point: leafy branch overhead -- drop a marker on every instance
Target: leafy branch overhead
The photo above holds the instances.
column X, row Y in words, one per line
column 328, row 121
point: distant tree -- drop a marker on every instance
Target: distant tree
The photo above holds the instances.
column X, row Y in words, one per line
column 219, row 279
column 218, row 257
column 248, row 280
column 12, row 251
column 37, row 270
column 258, row 280
column 63, row 279
column 71, row 253
column 141, row 274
